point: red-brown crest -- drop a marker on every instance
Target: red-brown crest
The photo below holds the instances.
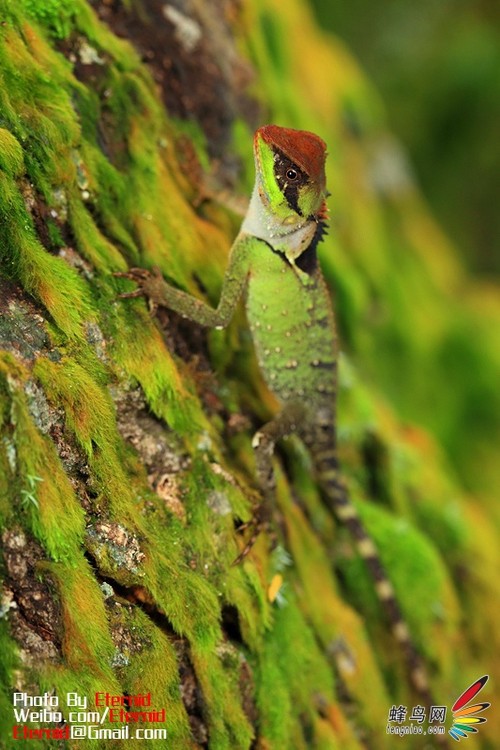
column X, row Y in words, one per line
column 305, row 149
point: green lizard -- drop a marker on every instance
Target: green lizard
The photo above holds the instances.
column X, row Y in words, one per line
column 273, row 261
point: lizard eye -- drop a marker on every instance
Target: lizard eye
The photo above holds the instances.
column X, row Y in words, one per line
column 291, row 174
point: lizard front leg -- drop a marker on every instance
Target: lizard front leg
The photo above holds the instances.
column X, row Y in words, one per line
column 264, row 442
column 157, row 291
column 150, row 284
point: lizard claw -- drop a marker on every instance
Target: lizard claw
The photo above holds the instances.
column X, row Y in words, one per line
column 246, row 549
column 258, row 523
column 149, row 285
column 129, row 295
column 133, row 273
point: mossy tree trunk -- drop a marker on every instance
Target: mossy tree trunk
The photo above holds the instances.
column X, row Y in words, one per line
column 125, row 440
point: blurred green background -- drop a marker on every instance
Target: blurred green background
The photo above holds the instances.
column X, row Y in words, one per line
column 436, row 64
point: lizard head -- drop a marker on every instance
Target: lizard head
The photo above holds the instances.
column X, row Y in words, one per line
column 291, row 173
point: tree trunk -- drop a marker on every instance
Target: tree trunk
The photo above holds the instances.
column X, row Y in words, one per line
column 125, row 439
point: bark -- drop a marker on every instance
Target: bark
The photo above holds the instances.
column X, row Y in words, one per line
column 125, row 440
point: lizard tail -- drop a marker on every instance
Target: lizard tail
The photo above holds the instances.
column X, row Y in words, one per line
column 337, row 498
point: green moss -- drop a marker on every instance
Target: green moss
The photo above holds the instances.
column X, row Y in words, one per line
column 229, row 727
column 8, row 664
column 87, row 643
column 154, row 669
column 104, row 157
column 55, row 15
column 11, row 154
column 48, row 279
column 38, row 490
column 420, row 579
column 187, row 597
column 54, row 513
column 337, row 627
column 197, row 138
column 293, row 679
column 142, row 353
column 90, row 418
column 87, row 646
column 8, row 458
column 93, row 245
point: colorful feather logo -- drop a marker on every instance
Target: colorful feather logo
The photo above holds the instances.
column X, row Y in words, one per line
column 465, row 717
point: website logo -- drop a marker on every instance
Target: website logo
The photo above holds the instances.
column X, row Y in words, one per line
column 465, row 717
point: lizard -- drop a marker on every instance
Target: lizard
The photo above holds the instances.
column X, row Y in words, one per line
column 273, row 263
